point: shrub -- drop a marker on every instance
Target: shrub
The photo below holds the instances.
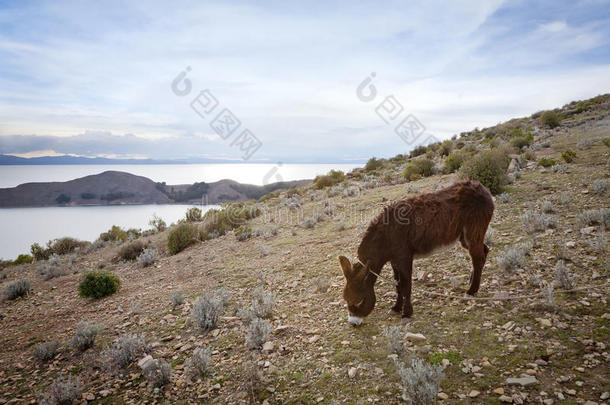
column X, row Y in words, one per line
column 520, row 141
column 177, row 299
column 198, row 365
column 17, row 288
column 547, row 162
column 395, row 336
column 243, row 232
column 46, row 351
column 601, row 186
column 536, row 222
column 562, row 276
column 207, row 310
column 23, row 259
column 39, row 252
column 62, row 391
column 488, row 167
column 425, row 167
column 373, row 164
column 568, row 156
column 148, row 257
column 529, row 155
column 595, row 217
column 420, row 382
column 181, row 237
column 127, row 348
column 114, row 234
column 193, row 214
column 98, row 284
column 333, row 177
column 549, row 119
column 446, row 148
column 584, row 144
column 258, row 333
column 87, row 196
column 309, row 223
column 218, row 222
column 157, row 223
column 455, row 160
column 85, row 335
column 63, row 199
column 262, row 303
column 131, row 251
column 599, row 243
column 157, row 373
column 547, row 207
column 419, row 150
column 606, row 141
column 490, row 236
column 504, row 197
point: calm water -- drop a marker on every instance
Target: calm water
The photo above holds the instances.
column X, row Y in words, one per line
column 20, row 227
column 11, row 176
column 23, row 226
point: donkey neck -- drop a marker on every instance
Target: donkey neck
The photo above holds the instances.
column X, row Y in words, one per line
column 373, row 249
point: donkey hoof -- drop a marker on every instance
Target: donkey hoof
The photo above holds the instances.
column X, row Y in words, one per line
column 396, row 309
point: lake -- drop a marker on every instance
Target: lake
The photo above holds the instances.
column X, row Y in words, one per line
column 23, row 226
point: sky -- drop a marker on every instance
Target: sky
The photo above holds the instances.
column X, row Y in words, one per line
column 103, row 78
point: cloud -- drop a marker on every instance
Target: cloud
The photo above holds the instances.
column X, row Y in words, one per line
column 287, row 70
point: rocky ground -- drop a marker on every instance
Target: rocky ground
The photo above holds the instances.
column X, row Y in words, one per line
column 511, row 346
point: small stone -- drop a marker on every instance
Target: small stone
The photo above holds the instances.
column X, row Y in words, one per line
column 415, row 337
column 144, row 361
column 351, row 373
column 571, row 392
column 499, row 391
column 548, row 401
column 268, row 346
column 604, row 395
column 314, row 339
column 474, row 394
column 545, row 322
column 570, row 244
column 445, row 363
column 523, row 381
column 89, row 396
column 105, row 393
column 216, row 387
column 442, row 396
column 505, row 398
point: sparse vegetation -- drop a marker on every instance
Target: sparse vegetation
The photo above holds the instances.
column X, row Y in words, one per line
column 85, row 335
column 420, row 382
column 568, row 156
column 601, row 186
column 537, row 222
column 395, row 336
column 62, row 391
column 157, row 372
column 243, row 232
column 373, row 164
column 596, row 217
column 98, row 284
column 127, row 348
column 114, row 234
column 157, row 223
column 547, row 162
column 562, row 276
column 207, row 310
column 198, row 365
column 131, row 251
column 332, row 178
column 513, row 257
column 23, row 259
column 181, row 237
column 46, row 351
column 454, row 161
column 148, row 257
column 258, row 333
column 177, row 299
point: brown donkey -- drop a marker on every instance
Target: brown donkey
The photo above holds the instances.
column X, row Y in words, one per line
column 413, row 227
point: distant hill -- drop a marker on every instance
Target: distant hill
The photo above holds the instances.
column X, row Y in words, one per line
column 114, row 187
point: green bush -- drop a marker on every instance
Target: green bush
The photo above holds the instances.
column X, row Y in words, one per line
column 547, row 162
column 568, row 156
column 17, row 288
column 181, row 237
column 550, row 119
column 63, row 199
column 193, row 214
column 114, row 234
column 425, row 167
column 411, row 172
column 98, row 284
column 158, row 223
column 333, row 177
column 218, row 222
column 488, row 167
column 420, row 150
column 243, row 232
column 131, row 251
column 39, row 252
column 23, row 259
column 455, row 160
column 87, row 196
column 373, row 164
column 446, row 148
column 64, row 246
column 520, row 141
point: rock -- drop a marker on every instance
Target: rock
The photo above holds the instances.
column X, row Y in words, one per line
column 268, row 346
column 570, row 244
column 591, row 403
column 445, row 363
column 523, row 381
column 415, row 337
column 313, row 339
column 474, row 393
column 89, row 396
column 545, row 322
column 588, row 230
column 499, row 391
column 604, row 395
column 351, row 373
column 144, row 361
column 505, row 398
column 442, row 396
column 105, row 393
column 548, row 401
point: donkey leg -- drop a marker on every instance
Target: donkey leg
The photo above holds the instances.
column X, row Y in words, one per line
column 478, row 254
column 398, row 306
column 404, row 286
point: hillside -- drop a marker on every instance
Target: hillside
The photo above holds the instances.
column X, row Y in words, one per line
column 555, row 344
column 113, row 187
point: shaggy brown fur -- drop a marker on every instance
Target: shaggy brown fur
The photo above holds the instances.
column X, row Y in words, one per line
column 414, row 227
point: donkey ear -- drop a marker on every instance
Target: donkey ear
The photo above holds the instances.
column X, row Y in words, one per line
column 346, row 266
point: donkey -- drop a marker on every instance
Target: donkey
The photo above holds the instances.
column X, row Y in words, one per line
column 413, row 227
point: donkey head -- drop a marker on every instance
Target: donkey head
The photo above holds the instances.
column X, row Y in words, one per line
column 358, row 292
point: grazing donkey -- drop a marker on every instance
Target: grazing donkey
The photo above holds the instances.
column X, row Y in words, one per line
column 413, row 227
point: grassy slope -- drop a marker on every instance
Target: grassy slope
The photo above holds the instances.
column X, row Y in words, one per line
column 311, row 358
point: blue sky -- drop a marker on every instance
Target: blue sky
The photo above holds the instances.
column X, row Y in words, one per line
column 94, row 78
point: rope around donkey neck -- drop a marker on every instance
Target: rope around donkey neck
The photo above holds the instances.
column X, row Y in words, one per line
column 502, row 298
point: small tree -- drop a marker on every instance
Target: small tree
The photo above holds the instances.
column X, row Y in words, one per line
column 550, row 119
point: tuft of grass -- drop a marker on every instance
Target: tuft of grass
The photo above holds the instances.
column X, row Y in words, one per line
column 85, row 335
column 419, row 382
column 198, row 365
column 16, row 289
column 453, row 357
column 47, row 350
column 395, row 336
column 562, row 276
column 513, row 256
column 243, row 232
column 207, row 310
column 177, row 299
column 62, row 391
column 148, row 257
column 258, row 333
column 454, row 161
column 193, row 214
column 595, row 217
column 127, row 348
column 547, row 162
column 328, row 180
column 601, row 186
column 536, row 222
column 157, row 373
column 568, row 156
